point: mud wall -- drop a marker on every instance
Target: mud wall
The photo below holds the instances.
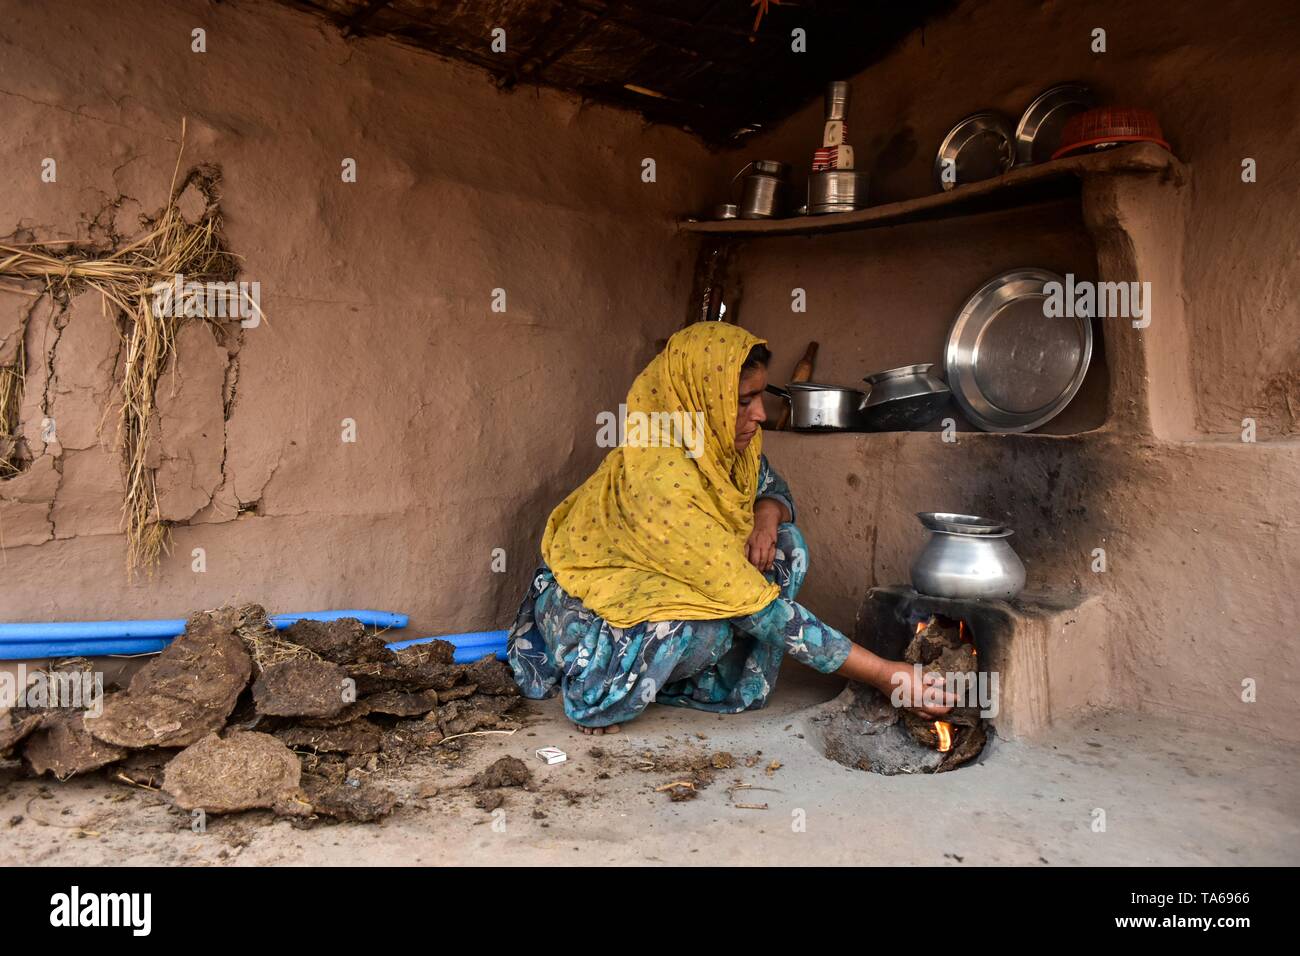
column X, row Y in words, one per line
column 470, row 423
column 1199, row 527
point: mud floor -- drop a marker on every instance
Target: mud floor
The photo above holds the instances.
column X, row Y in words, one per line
column 772, row 798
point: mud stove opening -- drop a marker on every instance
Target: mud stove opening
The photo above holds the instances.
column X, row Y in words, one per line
column 961, row 641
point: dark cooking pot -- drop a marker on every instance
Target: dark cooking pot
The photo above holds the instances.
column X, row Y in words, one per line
column 904, row 398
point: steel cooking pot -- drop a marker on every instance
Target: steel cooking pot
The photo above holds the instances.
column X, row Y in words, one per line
column 901, row 399
column 817, row 407
column 764, row 191
column 980, row 565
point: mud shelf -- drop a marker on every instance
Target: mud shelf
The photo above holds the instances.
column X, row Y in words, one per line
column 1023, row 186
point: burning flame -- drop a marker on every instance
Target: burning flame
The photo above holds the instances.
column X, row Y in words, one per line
column 944, row 730
column 963, row 633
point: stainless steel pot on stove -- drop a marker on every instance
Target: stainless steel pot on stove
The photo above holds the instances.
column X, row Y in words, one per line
column 977, row 564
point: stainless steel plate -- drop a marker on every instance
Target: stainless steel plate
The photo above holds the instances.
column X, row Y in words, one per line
column 960, row 524
column 1010, row 367
column 1038, row 134
column 980, row 147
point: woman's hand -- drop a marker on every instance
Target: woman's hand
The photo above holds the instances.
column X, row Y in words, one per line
column 929, row 696
column 903, row 684
column 760, row 548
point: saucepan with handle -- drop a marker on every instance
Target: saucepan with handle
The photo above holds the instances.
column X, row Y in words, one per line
column 815, row 407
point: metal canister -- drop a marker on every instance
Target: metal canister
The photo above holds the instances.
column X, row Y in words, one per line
column 837, row 190
column 837, row 100
column 763, row 195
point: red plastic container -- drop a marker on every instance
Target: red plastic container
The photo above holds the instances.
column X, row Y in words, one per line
column 1109, row 124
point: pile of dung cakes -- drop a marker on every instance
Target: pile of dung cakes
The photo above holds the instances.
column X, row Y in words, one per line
column 234, row 715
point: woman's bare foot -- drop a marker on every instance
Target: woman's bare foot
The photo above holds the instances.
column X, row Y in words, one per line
column 599, row 731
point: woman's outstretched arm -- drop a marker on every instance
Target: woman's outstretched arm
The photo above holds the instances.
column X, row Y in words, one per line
column 816, row 644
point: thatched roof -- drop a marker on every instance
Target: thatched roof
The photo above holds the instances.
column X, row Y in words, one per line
column 696, row 64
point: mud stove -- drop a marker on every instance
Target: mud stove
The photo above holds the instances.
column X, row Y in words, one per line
column 1015, row 667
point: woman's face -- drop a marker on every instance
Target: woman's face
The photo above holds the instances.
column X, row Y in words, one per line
column 750, row 414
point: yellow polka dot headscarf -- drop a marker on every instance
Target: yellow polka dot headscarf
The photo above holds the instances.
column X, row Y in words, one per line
column 658, row 532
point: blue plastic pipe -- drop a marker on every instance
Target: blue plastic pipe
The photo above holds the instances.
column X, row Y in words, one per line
column 469, row 647
column 30, row 641
column 476, row 639
column 369, row 618
column 103, row 648
column 55, row 631
column 468, row 655
column 170, row 627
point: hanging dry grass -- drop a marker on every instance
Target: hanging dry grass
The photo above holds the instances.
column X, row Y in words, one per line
column 126, row 279
column 11, row 398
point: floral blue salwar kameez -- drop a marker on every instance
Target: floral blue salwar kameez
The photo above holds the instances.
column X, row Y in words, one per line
column 608, row 675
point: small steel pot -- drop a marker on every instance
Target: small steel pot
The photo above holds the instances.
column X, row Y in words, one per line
column 979, row 566
column 764, row 191
column 816, row 407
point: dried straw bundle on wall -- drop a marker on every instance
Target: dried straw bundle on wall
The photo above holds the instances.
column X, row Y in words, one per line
column 126, row 279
